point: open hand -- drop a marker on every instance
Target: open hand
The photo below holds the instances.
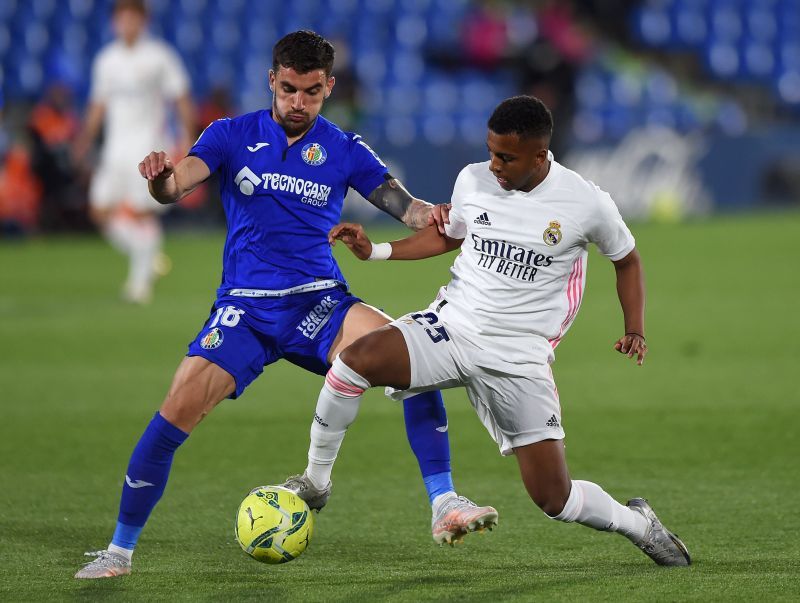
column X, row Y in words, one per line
column 632, row 344
column 354, row 237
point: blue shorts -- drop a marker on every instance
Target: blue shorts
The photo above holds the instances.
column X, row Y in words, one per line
column 244, row 334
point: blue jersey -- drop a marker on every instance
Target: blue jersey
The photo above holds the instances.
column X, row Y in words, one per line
column 280, row 201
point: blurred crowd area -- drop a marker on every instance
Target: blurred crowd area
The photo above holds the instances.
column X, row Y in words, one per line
column 624, row 75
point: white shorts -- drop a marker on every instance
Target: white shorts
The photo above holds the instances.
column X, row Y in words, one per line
column 515, row 409
column 119, row 183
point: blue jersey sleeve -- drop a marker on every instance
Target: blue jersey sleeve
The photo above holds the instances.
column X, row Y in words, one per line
column 367, row 171
column 212, row 145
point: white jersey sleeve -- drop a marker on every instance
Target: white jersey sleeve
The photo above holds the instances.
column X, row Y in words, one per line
column 457, row 229
column 101, row 80
column 174, row 78
column 606, row 228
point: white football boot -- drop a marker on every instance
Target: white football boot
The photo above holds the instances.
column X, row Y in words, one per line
column 457, row 516
column 315, row 497
column 106, row 565
column 661, row 545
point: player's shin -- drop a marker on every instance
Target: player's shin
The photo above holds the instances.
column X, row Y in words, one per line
column 590, row 505
column 143, row 259
column 337, row 408
column 426, row 428
column 145, row 481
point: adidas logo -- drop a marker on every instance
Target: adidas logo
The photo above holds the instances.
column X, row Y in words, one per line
column 553, row 422
column 483, row 219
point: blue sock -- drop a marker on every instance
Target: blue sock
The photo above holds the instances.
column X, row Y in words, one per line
column 426, row 428
column 146, row 478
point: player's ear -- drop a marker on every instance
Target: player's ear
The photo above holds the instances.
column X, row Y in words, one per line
column 271, row 78
column 329, row 86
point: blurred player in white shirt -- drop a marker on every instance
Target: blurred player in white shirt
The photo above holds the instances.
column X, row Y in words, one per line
column 135, row 80
column 523, row 223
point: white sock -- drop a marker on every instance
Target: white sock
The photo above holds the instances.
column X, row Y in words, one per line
column 440, row 500
column 145, row 248
column 337, row 408
column 127, row 553
column 590, row 505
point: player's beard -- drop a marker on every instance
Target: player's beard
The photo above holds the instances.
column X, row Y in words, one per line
column 292, row 128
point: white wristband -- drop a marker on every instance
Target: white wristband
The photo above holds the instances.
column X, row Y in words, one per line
column 380, row 251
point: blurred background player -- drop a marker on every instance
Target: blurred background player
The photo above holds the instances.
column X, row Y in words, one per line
column 283, row 177
column 523, row 224
column 134, row 80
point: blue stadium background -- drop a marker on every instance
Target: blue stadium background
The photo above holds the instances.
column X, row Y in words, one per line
column 718, row 79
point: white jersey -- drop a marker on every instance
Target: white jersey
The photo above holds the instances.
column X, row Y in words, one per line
column 136, row 83
column 518, row 282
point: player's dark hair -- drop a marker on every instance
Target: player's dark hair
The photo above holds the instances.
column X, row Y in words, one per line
column 303, row 51
column 136, row 5
column 525, row 116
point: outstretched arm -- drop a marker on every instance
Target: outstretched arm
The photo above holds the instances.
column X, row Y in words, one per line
column 168, row 183
column 393, row 198
column 423, row 244
column 630, row 289
column 91, row 128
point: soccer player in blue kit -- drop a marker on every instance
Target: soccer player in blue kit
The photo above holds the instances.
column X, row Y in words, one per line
column 283, row 177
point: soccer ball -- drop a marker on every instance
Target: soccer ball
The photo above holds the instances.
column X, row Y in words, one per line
column 274, row 525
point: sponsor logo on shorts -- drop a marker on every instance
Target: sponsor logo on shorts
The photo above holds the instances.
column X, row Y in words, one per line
column 316, row 319
column 553, row 422
column 314, row 154
column 211, row 340
column 552, row 234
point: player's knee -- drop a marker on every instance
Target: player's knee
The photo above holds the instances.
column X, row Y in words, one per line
column 357, row 357
column 185, row 407
column 551, row 500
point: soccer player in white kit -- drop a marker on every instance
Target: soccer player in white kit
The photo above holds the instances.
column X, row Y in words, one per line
column 523, row 223
column 135, row 79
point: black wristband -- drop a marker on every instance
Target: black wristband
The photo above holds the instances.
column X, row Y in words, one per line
column 638, row 335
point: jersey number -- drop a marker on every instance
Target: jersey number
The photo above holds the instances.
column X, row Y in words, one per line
column 227, row 316
column 436, row 334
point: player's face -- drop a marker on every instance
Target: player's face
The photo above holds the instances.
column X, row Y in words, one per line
column 297, row 98
column 519, row 164
column 128, row 24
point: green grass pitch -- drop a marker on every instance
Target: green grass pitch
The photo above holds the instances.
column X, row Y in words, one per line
column 708, row 430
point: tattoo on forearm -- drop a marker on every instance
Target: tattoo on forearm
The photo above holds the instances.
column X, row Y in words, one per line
column 417, row 214
column 393, row 198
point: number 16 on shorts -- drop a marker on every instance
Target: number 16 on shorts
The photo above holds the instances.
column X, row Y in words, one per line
column 430, row 321
column 228, row 316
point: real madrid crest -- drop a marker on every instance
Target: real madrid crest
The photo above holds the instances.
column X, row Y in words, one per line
column 552, row 234
column 314, row 154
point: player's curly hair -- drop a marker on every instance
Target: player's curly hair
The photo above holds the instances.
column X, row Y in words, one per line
column 303, row 51
column 525, row 116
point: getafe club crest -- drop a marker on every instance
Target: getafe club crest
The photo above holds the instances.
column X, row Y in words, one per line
column 552, row 234
column 212, row 339
column 314, row 154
